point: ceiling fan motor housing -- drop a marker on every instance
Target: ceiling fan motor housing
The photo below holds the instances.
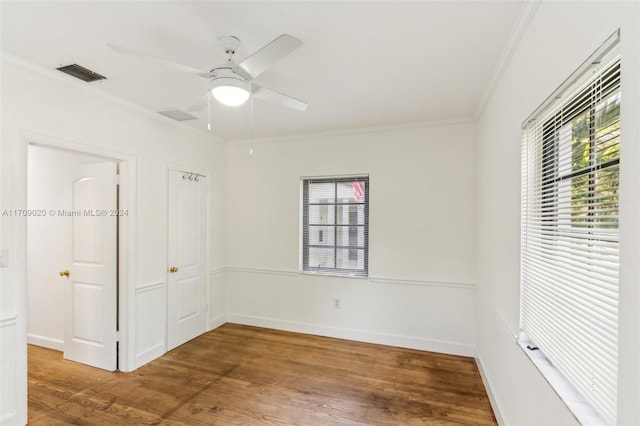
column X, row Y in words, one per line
column 224, row 76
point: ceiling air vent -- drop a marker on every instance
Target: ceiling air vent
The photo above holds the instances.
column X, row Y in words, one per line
column 177, row 115
column 82, row 73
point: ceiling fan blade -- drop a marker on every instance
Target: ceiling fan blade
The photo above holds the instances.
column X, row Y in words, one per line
column 200, row 103
column 264, row 58
column 278, row 98
column 161, row 61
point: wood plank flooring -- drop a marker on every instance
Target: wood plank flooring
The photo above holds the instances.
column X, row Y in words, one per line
column 247, row 375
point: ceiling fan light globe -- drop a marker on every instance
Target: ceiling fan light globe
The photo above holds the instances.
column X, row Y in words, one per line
column 230, row 91
column 230, row 95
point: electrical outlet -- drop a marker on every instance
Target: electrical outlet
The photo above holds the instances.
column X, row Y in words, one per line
column 337, row 302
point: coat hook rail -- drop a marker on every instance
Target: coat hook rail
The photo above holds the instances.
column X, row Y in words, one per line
column 192, row 177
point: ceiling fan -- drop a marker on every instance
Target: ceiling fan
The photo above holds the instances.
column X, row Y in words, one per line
column 232, row 84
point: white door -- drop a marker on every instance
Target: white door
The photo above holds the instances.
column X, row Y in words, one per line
column 187, row 257
column 91, row 293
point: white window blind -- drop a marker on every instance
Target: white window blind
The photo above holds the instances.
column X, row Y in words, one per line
column 569, row 270
column 335, row 225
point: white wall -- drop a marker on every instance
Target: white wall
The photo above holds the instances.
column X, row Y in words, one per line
column 50, row 173
column 538, row 66
column 40, row 106
column 421, row 286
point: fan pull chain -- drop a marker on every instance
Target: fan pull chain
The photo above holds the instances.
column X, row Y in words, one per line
column 251, row 123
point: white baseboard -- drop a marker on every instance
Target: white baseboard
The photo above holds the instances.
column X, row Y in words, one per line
column 409, row 342
column 150, row 354
column 9, row 419
column 487, row 386
column 216, row 322
column 45, row 342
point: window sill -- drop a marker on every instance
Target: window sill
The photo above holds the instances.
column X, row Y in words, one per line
column 330, row 274
column 579, row 407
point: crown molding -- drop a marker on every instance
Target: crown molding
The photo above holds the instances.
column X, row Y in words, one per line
column 352, row 132
column 520, row 26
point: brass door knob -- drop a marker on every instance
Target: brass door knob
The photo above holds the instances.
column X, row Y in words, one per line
column 65, row 273
column 173, row 269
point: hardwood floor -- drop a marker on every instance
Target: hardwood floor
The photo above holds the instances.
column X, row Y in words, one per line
column 247, row 375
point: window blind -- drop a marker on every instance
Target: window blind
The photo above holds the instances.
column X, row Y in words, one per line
column 569, row 253
column 335, row 233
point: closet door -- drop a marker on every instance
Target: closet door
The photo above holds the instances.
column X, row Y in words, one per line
column 187, row 257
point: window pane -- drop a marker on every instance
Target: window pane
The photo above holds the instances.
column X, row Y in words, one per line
column 322, row 235
column 351, row 192
column 350, row 259
column 606, row 210
column 580, row 200
column 322, row 192
column 608, row 129
column 350, row 214
column 352, row 236
column 322, row 214
column 321, row 257
column 581, row 143
column 563, row 209
column 565, row 153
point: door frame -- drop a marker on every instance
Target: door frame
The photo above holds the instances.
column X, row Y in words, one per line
column 126, row 232
column 181, row 168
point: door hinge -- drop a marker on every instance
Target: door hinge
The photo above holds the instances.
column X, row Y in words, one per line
column 117, row 336
column 118, row 180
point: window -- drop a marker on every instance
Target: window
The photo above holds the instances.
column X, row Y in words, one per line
column 569, row 271
column 335, row 220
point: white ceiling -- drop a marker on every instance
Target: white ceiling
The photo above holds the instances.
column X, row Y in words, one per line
column 362, row 64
